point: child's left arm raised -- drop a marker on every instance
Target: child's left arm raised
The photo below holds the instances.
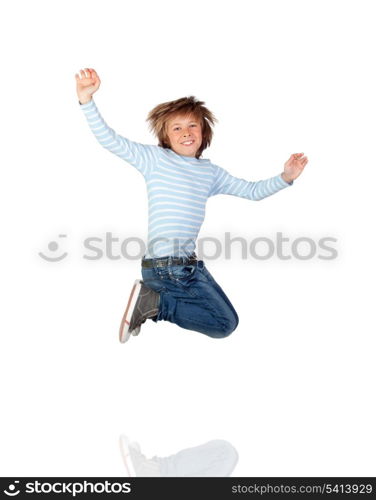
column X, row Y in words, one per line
column 225, row 183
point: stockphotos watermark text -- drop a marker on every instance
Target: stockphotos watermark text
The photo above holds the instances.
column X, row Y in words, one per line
column 67, row 488
column 279, row 246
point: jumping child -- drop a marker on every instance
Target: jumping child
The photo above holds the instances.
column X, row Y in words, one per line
column 175, row 285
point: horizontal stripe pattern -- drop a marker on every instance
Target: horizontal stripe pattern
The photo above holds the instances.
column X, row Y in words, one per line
column 178, row 187
column 142, row 157
column 226, row 183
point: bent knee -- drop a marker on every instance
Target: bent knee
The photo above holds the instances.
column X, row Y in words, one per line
column 229, row 326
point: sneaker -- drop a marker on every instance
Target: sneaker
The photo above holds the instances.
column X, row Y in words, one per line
column 136, row 331
column 143, row 303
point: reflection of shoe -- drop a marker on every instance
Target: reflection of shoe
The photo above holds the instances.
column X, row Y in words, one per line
column 216, row 458
column 143, row 303
column 135, row 462
column 124, row 450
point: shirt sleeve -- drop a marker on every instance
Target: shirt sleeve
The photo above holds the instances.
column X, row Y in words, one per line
column 224, row 183
column 141, row 156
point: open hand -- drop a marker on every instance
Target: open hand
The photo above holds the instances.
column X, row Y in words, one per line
column 86, row 84
column 294, row 166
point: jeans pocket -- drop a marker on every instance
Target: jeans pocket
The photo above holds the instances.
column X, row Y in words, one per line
column 161, row 273
column 152, row 280
column 181, row 273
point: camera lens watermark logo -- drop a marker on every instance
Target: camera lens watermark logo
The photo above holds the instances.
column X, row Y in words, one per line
column 13, row 491
column 53, row 247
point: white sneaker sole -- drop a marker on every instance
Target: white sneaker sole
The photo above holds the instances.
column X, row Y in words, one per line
column 124, row 332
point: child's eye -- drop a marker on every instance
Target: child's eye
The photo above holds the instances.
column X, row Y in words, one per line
column 192, row 125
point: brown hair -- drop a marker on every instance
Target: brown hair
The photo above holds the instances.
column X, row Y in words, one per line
column 161, row 113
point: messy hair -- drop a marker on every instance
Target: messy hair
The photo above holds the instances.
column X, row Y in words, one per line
column 159, row 116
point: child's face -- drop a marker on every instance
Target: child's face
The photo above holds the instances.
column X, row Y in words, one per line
column 185, row 134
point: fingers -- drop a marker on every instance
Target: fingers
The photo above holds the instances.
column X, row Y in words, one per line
column 81, row 75
column 300, row 157
column 298, row 160
column 86, row 73
column 88, row 76
column 94, row 76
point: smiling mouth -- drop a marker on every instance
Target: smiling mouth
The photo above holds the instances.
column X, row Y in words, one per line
column 187, row 143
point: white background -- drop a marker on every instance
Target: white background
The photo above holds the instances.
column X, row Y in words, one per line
column 292, row 389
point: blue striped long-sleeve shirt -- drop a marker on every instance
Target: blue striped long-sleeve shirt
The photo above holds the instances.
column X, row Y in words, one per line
column 178, row 187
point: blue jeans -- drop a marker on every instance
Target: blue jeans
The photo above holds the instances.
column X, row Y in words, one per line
column 191, row 298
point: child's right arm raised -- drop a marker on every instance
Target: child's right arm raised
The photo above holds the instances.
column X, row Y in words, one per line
column 141, row 156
